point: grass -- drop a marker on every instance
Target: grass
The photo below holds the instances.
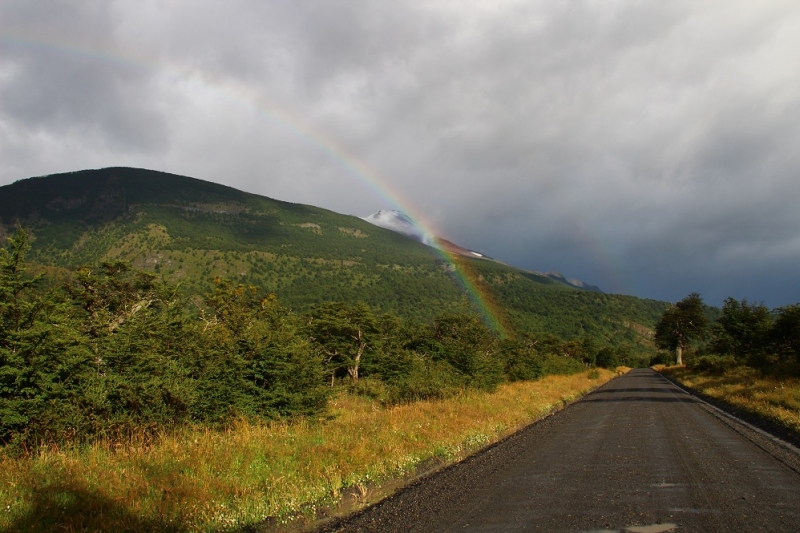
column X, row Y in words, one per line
column 775, row 399
column 201, row 480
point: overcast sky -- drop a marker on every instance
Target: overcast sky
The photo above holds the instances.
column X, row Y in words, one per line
column 647, row 147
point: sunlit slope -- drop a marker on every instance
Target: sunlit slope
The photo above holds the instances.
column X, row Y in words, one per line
column 191, row 231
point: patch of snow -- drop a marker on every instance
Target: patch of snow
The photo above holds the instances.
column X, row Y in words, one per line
column 398, row 222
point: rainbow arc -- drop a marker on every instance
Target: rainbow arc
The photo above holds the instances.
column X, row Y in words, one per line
column 472, row 282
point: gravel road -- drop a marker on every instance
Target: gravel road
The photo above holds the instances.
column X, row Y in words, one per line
column 636, row 455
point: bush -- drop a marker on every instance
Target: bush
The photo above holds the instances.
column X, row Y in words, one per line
column 716, row 364
column 522, row 361
column 428, row 380
column 607, row 358
column 374, row 389
column 559, row 364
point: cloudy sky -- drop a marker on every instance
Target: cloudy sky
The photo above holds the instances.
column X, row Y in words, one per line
column 648, row 147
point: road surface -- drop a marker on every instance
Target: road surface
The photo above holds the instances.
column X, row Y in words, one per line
column 636, row 455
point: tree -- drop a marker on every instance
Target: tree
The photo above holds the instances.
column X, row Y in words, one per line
column 607, row 358
column 20, row 309
column 255, row 359
column 343, row 333
column 41, row 360
column 522, row 360
column 786, row 333
column 743, row 329
column 136, row 331
column 472, row 348
column 681, row 324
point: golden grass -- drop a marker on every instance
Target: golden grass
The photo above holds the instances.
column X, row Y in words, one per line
column 776, row 399
column 200, row 480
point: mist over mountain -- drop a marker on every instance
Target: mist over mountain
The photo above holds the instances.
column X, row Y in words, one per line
column 399, row 222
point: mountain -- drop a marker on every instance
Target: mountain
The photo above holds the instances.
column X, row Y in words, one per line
column 190, row 231
column 401, row 223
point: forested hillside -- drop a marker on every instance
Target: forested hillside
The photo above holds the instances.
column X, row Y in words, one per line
column 189, row 232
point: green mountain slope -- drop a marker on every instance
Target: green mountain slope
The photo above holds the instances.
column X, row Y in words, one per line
column 191, row 231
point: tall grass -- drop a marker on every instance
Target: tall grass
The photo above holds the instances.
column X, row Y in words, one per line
column 774, row 398
column 200, row 480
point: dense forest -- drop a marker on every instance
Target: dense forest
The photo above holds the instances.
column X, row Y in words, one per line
column 741, row 333
column 108, row 350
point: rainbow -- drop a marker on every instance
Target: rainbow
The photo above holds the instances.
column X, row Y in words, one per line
column 474, row 286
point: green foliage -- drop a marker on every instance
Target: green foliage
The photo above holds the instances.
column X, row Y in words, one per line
column 131, row 327
column 715, row 364
column 561, row 364
column 27, row 375
column 428, row 380
column 113, row 350
column 464, row 342
column 745, row 334
column 255, row 359
column 116, row 351
column 190, row 231
column 681, row 324
column 607, row 358
column 342, row 333
column 522, row 360
column 537, row 304
column 742, row 331
column 785, row 335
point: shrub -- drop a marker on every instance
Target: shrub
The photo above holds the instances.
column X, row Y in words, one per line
column 716, row 364
column 561, row 365
column 428, row 380
column 607, row 358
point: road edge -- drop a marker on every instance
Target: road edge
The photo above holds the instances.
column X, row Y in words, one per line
column 330, row 523
column 757, row 430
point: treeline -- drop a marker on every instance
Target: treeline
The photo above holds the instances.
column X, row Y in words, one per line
column 743, row 333
column 110, row 351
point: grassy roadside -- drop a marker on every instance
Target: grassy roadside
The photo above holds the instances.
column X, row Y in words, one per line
column 209, row 481
column 771, row 398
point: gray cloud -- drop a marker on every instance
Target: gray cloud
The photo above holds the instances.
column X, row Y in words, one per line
column 63, row 82
column 647, row 147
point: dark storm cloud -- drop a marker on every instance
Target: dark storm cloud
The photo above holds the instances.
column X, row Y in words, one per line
column 646, row 147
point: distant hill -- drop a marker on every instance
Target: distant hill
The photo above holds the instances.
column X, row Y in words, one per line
column 190, row 231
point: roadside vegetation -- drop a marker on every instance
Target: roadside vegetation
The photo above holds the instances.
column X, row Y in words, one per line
column 744, row 354
column 202, row 479
column 127, row 405
column 110, row 352
column 773, row 398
